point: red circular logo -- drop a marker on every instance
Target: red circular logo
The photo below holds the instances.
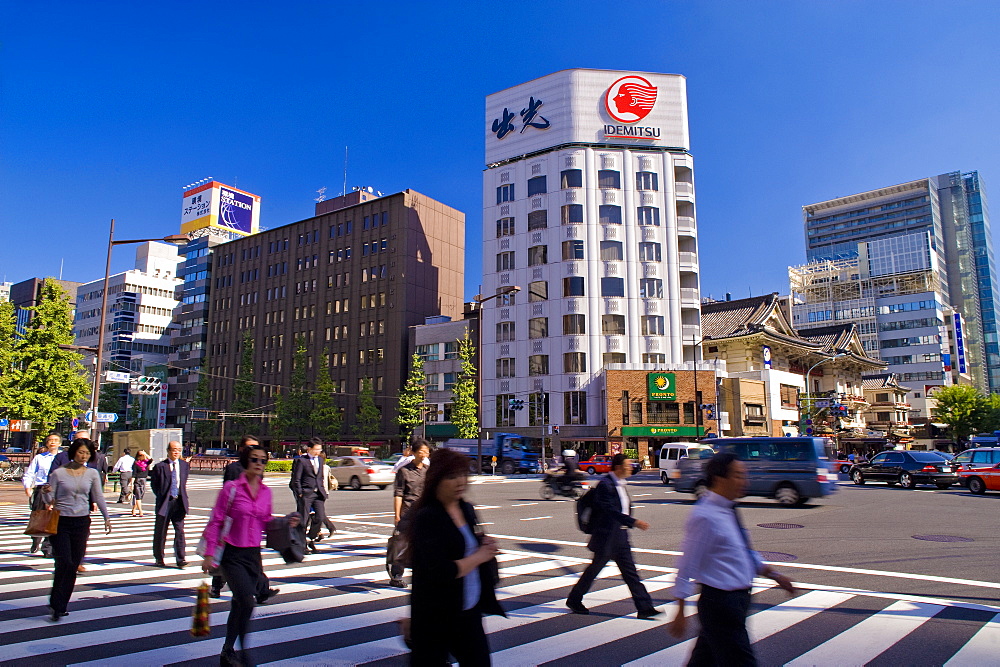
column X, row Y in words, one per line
column 630, row 99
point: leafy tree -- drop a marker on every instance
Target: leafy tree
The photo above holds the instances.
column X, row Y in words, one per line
column 203, row 428
column 465, row 410
column 327, row 418
column 411, row 399
column 293, row 404
column 369, row 416
column 244, row 389
column 52, row 381
column 112, row 399
column 9, row 370
column 964, row 408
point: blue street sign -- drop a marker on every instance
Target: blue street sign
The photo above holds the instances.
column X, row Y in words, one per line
column 76, row 423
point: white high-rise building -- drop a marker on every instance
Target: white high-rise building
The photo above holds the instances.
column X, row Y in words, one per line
column 589, row 209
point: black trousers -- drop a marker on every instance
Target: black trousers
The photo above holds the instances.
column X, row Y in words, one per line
column 723, row 638
column 619, row 549
column 462, row 636
column 68, row 546
column 172, row 512
column 243, row 571
column 38, row 502
column 263, row 583
column 311, row 501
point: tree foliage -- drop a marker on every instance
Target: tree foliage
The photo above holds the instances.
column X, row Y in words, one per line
column 244, row 389
column 965, row 409
column 411, row 399
column 9, row 371
column 51, row 382
column 293, row 405
column 327, row 417
column 203, row 428
column 369, row 416
column 113, row 399
column 465, row 410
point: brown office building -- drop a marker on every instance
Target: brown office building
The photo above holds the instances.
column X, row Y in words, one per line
column 351, row 280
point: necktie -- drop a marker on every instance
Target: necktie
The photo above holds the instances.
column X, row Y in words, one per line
column 743, row 532
column 174, row 484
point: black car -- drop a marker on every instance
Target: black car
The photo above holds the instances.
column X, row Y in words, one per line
column 906, row 468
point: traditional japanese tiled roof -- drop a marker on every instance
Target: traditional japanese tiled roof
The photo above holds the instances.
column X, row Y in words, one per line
column 882, row 381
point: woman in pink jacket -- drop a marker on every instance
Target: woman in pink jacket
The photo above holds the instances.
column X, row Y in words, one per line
column 244, row 504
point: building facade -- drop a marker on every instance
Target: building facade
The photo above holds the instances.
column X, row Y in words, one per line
column 349, row 283
column 589, row 209
column 945, row 224
column 437, row 341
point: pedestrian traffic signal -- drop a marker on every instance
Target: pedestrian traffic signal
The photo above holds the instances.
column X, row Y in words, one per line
column 555, row 430
column 145, row 384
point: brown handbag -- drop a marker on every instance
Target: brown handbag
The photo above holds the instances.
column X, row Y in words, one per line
column 43, row 523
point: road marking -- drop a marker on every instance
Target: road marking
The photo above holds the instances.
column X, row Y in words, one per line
column 535, row 518
column 640, row 495
column 486, row 507
column 486, row 523
column 982, row 649
column 872, row 636
column 522, row 504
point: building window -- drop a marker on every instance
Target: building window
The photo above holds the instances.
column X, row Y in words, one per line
column 572, row 250
column 505, row 367
column 536, row 186
column 610, row 215
column 652, row 325
column 654, row 358
column 538, row 254
column 663, row 412
column 505, row 193
column 575, row 407
column 613, row 358
column 789, row 396
column 574, row 324
column 646, row 180
column 538, row 220
column 689, row 412
column 573, row 286
column 651, row 288
column 611, row 251
column 450, row 349
column 505, row 227
column 505, row 416
column 428, row 352
column 648, row 216
column 612, row 287
column 609, row 179
column 538, row 327
column 449, row 381
column 538, row 291
column 505, row 332
column 648, row 252
column 538, row 408
column 505, row 261
column 538, row 364
column 571, row 178
column 432, row 382
column 636, row 409
column 613, row 325
column 571, row 214
column 574, row 362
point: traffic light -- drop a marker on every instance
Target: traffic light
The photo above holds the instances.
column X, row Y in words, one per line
column 145, row 384
column 555, row 429
column 515, row 404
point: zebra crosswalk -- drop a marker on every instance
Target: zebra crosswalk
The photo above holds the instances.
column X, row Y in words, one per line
column 336, row 609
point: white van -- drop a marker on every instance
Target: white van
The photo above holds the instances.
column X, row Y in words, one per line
column 671, row 453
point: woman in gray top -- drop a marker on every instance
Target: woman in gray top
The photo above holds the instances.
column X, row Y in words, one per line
column 74, row 488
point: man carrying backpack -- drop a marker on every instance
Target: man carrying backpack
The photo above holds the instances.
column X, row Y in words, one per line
column 608, row 524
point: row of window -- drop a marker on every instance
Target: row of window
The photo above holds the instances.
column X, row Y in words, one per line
column 573, row 178
column 912, row 359
column 572, row 214
column 611, row 325
column 611, row 251
column 573, row 362
column 434, row 352
column 910, row 324
column 912, row 340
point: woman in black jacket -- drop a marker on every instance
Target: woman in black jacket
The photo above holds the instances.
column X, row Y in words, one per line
column 454, row 570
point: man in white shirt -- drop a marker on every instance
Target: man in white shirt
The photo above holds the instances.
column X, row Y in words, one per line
column 123, row 467
column 35, row 478
column 310, row 491
column 404, row 459
column 717, row 554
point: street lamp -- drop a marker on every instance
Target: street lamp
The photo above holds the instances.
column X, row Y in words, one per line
column 821, row 361
column 504, row 291
column 177, row 239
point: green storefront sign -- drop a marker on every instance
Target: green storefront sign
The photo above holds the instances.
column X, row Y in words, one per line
column 661, row 387
column 662, row 431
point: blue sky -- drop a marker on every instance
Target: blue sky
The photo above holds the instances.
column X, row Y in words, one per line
column 108, row 109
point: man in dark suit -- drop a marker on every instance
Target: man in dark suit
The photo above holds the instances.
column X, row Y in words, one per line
column 609, row 540
column 310, row 492
column 168, row 479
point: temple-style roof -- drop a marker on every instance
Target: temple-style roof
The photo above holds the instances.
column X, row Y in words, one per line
column 882, row 381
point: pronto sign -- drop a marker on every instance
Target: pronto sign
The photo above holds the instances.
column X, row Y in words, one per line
column 220, row 206
column 661, row 387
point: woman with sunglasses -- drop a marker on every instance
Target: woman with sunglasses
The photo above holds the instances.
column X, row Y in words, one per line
column 246, row 503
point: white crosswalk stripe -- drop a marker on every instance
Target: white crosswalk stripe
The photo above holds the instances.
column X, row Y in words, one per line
column 339, row 600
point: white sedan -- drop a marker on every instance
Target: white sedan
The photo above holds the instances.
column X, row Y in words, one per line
column 358, row 471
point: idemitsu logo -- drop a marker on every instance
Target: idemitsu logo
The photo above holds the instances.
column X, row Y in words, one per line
column 630, row 99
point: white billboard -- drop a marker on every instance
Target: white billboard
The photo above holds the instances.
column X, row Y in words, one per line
column 587, row 106
column 221, row 206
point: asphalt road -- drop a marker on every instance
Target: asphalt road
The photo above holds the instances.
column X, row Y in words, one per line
column 860, row 537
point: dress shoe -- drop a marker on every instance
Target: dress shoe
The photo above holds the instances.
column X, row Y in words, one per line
column 312, row 547
column 271, row 592
column 229, row 658
column 577, row 607
column 646, row 614
column 81, row 568
column 160, row 563
column 35, row 546
column 397, row 583
column 215, row 592
column 181, row 564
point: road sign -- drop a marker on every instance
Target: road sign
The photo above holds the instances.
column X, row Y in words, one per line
column 822, row 403
column 76, row 423
column 4, row 424
column 20, row 425
column 117, row 376
column 102, row 417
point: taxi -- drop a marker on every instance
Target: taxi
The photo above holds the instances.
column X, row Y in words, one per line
column 599, row 463
column 979, row 476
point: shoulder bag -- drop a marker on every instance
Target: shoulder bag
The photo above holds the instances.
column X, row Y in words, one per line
column 202, row 549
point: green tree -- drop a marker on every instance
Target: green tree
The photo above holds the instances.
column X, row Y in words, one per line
column 465, row 409
column 369, row 416
column 112, row 399
column 9, row 370
column 293, row 404
column 203, row 428
column 52, row 381
column 411, row 399
column 244, row 389
column 964, row 408
column 327, row 418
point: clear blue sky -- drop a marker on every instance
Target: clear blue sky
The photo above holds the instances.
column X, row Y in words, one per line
column 107, row 109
